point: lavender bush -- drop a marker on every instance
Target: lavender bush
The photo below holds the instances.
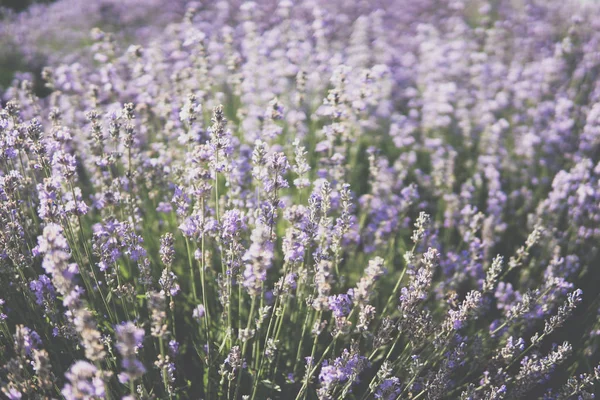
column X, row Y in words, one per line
column 390, row 199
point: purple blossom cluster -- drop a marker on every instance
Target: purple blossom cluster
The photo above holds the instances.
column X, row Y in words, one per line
column 389, row 199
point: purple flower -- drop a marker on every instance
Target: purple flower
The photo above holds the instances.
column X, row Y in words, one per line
column 12, row 393
column 129, row 340
column 26, row 340
column 189, row 227
column 181, row 201
column 340, row 304
column 85, row 381
column 164, row 207
column 233, row 223
column 346, row 367
column 198, row 312
column 43, row 289
column 54, row 246
column 173, row 347
column 294, row 245
column 389, row 389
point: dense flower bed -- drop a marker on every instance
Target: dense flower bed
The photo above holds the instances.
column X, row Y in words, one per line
column 298, row 200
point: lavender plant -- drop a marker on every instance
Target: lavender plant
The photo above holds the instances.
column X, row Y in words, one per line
column 302, row 200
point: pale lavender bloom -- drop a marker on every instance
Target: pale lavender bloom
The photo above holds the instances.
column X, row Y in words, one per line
column 221, row 140
column 173, row 347
column 347, row 367
column 13, row 394
column 294, row 245
column 340, row 304
column 258, row 258
column 233, row 223
column 512, row 348
column 166, row 251
column 198, row 312
column 457, row 318
column 164, row 207
column 389, row 389
column 277, row 165
column 235, row 361
column 181, row 200
column 54, row 246
column 364, row 288
column 189, row 227
column 301, row 166
column 290, row 281
column 535, row 370
column 417, row 290
column 129, row 340
column 168, row 282
column 85, row 381
column 564, row 311
column 157, row 306
column 43, row 289
column 49, row 204
column 26, row 340
column 168, row 279
column 506, row 296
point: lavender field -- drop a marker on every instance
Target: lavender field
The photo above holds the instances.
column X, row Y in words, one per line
column 300, row 199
